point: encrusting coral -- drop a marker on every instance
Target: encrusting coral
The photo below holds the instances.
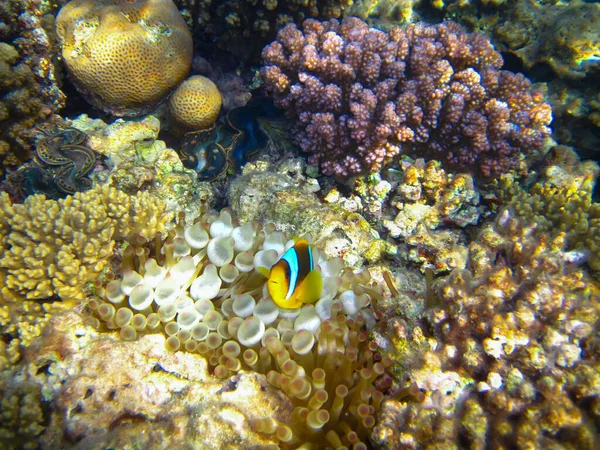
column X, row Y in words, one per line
column 124, row 57
column 360, row 96
column 203, row 287
column 54, row 247
column 509, row 354
column 195, row 104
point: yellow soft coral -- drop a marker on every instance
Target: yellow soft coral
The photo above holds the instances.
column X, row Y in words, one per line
column 55, row 247
column 125, row 57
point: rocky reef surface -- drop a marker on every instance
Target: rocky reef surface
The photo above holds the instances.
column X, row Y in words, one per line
column 430, row 155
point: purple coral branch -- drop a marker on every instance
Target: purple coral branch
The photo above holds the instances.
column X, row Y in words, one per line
column 360, row 96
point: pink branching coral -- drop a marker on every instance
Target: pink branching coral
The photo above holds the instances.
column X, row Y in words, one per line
column 361, row 96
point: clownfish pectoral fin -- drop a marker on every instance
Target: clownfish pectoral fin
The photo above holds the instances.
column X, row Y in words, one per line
column 310, row 290
column 264, row 271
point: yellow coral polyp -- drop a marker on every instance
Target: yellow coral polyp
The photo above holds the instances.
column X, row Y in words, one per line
column 124, row 57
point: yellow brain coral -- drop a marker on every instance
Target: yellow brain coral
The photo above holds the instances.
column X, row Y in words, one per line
column 124, row 57
column 196, row 103
column 54, row 247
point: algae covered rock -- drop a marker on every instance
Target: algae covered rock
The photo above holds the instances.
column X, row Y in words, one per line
column 108, row 393
column 124, row 57
column 136, row 160
column 283, row 195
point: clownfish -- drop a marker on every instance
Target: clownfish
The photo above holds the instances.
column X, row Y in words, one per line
column 293, row 279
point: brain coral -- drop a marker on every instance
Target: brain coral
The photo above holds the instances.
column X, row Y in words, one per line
column 124, row 57
column 196, row 103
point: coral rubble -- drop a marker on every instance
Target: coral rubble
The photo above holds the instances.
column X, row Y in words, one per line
column 361, row 96
column 124, row 57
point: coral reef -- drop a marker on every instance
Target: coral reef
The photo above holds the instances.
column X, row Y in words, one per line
column 29, row 92
column 509, row 352
column 124, row 57
column 106, row 392
column 22, row 406
column 576, row 112
column 387, row 11
column 233, row 89
column 55, row 247
column 195, row 104
column 135, row 160
column 361, row 96
column 207, row 151
column 432, row 207
column 427, row 213
column 244, row 27
column 564, row 35
column 560, row 203
column 203, row 287
column 557, row 41
column 231, row 143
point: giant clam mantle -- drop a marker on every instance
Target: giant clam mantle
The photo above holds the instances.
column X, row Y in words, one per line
column 212, row 151
column 203, row 289
column 61, row 165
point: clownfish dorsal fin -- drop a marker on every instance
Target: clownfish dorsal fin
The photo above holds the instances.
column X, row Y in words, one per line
column 305, row 237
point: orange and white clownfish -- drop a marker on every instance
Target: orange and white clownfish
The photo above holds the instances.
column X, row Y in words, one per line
column 293, row 279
